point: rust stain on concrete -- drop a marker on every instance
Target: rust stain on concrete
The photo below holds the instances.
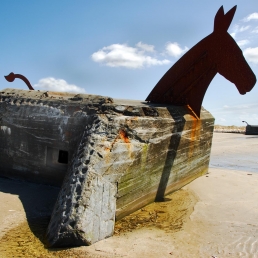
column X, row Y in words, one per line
column 123, row 136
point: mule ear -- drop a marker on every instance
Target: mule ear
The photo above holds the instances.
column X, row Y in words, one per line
column 221, row 21
column 229, row 16
column 218, row 18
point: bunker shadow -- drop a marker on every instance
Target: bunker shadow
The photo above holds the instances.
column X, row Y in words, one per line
column 172, row 151
column 38, row 202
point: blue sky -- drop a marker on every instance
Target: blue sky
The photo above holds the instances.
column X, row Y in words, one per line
column 122, row 48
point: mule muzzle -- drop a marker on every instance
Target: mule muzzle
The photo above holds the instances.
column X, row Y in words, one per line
column 246, row 84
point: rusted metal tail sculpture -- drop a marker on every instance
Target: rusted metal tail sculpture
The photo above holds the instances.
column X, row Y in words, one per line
column 186, row 82
column 11, row 77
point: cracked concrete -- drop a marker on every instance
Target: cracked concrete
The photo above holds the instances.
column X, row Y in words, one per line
column 121, row 155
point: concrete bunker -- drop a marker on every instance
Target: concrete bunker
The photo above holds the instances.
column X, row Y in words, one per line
column 251, row 129
column 111, row 156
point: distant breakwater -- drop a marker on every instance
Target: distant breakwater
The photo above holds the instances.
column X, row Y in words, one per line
column 229, row 129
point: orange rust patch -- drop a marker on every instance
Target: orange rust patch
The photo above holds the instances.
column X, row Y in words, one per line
column 124, row 136
column 193, row 131
column 195, row 134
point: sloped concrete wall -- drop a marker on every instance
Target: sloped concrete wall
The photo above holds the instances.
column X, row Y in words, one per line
column 122, row 155
column 35, row 127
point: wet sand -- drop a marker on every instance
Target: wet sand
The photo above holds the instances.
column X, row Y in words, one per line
column 214, row 216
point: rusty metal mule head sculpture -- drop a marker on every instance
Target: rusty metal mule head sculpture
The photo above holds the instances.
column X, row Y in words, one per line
column 186, row 82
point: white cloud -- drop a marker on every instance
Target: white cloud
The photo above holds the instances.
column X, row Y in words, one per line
column 255, row 30
column 251, row 54
column 252, row 16
column 173, row 49
column 121, row 55
column 234, row 115
column 243, row 28
column 145, row 47
column 243, row 31
column 238, row 29
column 233, row 34
column 235, row 30
column 242, row 42
column 52, row 84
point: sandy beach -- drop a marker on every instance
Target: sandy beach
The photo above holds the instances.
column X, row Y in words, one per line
column 216, row 215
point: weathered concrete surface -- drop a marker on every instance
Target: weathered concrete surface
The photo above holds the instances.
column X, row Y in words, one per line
column 122, row 155
column 35, row 126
